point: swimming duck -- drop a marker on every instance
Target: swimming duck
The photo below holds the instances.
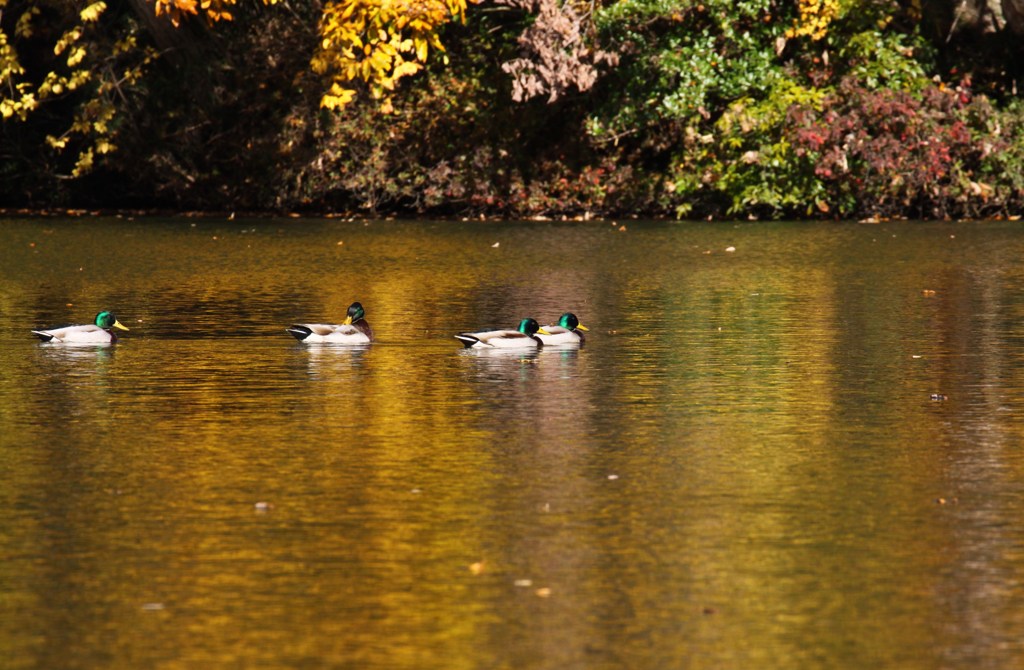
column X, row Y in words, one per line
column 567, row 331
column 525, row 337
column 354, row 330
column 97, row 332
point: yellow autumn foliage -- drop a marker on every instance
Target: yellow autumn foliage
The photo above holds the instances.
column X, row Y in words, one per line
column 372, row 43
column 91, row 131
column 92, row 12
column 365, row 45
column 214, row 10
column 377, row 42
column 815, row 18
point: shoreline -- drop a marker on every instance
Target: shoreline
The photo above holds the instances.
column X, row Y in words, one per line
column 131, row 214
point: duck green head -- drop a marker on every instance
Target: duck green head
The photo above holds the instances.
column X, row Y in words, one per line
column 531, row 327
column 355, row 313
column 106, row 320
column 570, row 322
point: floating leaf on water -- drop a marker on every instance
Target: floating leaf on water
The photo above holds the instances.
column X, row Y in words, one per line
column 730, row 249
column 543, row 592
column 152, row 607
column 477, row 568
column 939, row 396
column 263, row 506
column 928, row 293
column 495, row 245
column 613, row 477
column 523, row 583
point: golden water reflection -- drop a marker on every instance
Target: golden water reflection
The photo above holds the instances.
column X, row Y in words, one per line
column 744, row 466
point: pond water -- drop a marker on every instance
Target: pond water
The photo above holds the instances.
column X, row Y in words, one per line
column 803, row 452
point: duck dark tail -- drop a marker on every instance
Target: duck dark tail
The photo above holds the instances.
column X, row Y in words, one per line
column 299, row 332
column 45, row 337
column 467, row 340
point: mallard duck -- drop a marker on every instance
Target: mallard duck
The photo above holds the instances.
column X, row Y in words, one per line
column 354, row 330
column 525, row 337
column 97, row 332
column 566, row 331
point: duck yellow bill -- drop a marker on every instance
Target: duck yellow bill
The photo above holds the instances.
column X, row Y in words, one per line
column 117, row 324
column 541, row 331
column 347, row 321
column 582, row 327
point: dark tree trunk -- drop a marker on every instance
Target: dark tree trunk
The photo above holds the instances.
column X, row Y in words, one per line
column 986, row 17
column 1013, row 11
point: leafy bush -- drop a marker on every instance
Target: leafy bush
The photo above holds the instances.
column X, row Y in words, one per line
column 759, row 108
column 886, row 152
column 683, row 60
column 747, row 164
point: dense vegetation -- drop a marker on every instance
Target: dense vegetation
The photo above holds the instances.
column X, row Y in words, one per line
column 680, row 108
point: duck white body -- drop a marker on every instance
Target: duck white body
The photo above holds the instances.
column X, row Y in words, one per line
column 98, row 332
column 354, row 330
column 328, row 333
column 523, row 338
column 560, row 336
column 567, row 331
